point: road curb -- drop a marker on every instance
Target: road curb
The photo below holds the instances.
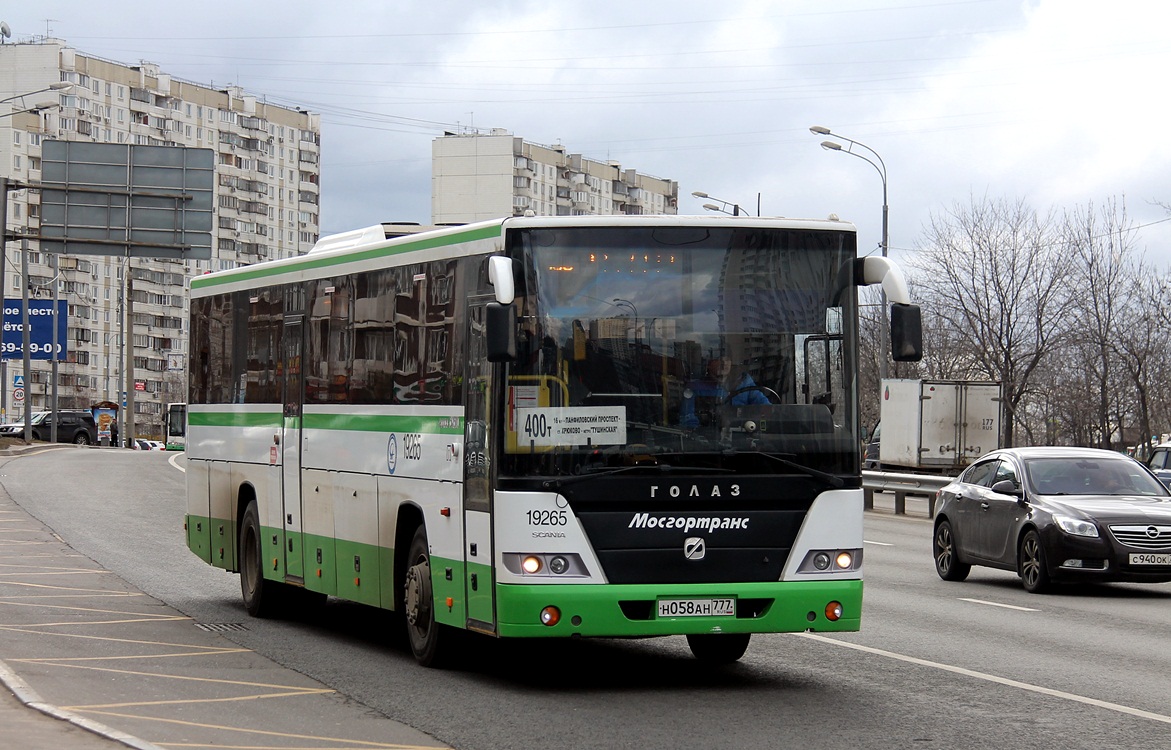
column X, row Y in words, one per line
column 30, row 698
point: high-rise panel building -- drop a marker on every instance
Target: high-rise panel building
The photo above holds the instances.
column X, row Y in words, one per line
column 478, row 176
column 266, row 207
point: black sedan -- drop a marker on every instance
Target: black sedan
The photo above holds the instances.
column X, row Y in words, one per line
column 1053, row 515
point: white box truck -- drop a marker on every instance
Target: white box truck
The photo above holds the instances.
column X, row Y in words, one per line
column 937, row 425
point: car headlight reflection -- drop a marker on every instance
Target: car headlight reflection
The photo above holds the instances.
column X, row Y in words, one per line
column 1076, row 526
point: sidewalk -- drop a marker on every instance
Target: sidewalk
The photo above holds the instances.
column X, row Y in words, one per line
column 89, row 663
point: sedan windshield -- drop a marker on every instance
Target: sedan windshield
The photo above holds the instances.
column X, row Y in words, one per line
column 1091, row 476
column 674, row 347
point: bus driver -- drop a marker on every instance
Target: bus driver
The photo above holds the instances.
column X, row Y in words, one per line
column 714, row 388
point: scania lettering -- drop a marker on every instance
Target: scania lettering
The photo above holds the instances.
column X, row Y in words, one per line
column 543, row 427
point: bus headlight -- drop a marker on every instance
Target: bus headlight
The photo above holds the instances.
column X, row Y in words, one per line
column 831, row 561
column 545, row 564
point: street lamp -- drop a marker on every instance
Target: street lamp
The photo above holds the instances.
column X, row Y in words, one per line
column 723, row 208
column 880, row 166
column 56, row 86
column 36, row 109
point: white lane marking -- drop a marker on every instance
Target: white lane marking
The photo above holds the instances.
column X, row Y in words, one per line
column 998, row 604
column 880, row 544
column 173, row 461
column 994, row 678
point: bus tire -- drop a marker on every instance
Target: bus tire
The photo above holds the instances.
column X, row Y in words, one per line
column 718, row 648
column 260, row 595
column 426, row 636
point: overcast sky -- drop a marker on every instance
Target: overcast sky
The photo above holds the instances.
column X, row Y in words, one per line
column 1062, row 103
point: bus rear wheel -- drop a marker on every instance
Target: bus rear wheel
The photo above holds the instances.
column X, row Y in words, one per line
column 425, row 635
column 718, row 648
column 260, row 595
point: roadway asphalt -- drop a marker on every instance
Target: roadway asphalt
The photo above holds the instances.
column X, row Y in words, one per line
column 89, row 662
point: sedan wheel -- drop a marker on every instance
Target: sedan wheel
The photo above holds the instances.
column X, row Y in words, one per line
column 943, row 547
column 1031, row 562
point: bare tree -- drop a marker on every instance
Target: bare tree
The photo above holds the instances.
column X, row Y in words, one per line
column 1099, row 246
column 992, row 273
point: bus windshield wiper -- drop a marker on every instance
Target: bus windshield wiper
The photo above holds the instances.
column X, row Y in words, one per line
column 606, row 472
column 831, row 479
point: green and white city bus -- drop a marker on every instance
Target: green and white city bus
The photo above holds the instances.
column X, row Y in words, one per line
column 543, row 427
column 175, row 427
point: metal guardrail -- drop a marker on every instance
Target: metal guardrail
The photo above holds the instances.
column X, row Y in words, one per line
column 919, row 485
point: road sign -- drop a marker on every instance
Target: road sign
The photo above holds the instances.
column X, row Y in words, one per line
column 18, row 381
column 18, row 395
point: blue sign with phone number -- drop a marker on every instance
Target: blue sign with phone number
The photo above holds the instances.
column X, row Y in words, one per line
column 40, row 324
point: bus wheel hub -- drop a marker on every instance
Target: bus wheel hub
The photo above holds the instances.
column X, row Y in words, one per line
column 418, row 593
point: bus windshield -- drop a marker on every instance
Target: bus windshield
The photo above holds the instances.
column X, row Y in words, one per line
column 683, row 347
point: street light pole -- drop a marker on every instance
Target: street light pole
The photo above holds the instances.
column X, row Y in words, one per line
column 880, row 166
column 3, row 292
column 5, row 186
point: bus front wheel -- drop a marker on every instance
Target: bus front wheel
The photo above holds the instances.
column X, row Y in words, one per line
column 419, row 603
column 718, row 648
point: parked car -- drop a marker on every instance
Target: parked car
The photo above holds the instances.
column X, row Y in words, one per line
column 1054, row 515
column 1160, row 462
column 141, row 444
column 73, row 426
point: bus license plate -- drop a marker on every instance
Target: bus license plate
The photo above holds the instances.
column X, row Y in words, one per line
column 1149, row 559
column 697, row 607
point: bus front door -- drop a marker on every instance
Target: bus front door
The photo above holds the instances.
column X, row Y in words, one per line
column 479, row 580
column 290, row 447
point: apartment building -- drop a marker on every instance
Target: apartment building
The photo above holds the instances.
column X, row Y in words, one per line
column 477, row 176
column 266, row 207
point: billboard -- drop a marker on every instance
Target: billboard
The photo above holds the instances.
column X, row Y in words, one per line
column 40, row 324
column 128, row 200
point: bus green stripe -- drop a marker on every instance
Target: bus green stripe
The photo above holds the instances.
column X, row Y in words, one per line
column 233, row 419
column 353, row 422
column 384, row 423
column 309, row 262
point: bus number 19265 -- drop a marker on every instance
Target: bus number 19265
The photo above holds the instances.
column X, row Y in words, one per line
column 547, row 518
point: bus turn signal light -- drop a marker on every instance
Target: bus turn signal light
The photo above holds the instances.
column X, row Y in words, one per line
column 550, row 616
column 833, row 611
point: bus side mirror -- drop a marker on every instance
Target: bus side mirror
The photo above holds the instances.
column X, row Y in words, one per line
column 906, row 333
column 500, row 332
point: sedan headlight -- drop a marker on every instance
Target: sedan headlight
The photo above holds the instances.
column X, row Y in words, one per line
column 1076, row 526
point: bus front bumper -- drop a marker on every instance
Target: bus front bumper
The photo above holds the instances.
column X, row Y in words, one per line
column 633, row 610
